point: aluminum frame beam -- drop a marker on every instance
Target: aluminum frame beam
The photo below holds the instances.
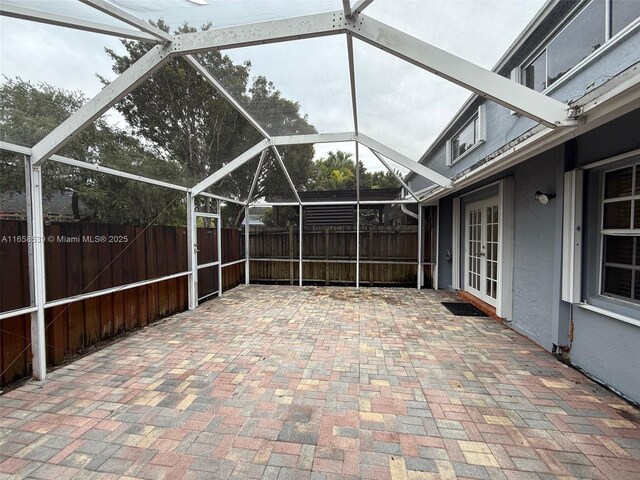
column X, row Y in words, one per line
column 94, row 108
column 395, row 174
column 346, row 6
column 479, row 80
column 352, row 82
column 405, row 161
column 49, row 18
column 313, row 138
column 35, row 228
column 297, row 28
column 230, row 167
column 256, row 177
column 226, row 95
column 124, row 16
column 286, row 173
column 117, row 173
column 360, row 6
column 483, row 82
column 192, row 253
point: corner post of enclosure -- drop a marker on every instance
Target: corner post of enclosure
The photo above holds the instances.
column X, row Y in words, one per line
column 35, row 230
column 300, row 249
column 246, row 244
column 219, row 246
column 357, row 217
column 192, row 252
column 420, row 241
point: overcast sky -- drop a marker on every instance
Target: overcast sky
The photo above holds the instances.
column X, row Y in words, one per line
column 398, row 104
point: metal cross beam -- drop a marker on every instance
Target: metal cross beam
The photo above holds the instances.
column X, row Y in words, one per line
column 226, row 95
column 286, row 173
column 485, row 83
column 346, row 6
column 395, row 174
column 360, row 6
column 313, row 138
column 111, row 94
column 25, row 13
column 352, row 82
column 403, row 160
column 256, row 177
column 230, row 167
column 298, row 28
column 126, row 17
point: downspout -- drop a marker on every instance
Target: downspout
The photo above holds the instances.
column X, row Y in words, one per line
column 405, row 210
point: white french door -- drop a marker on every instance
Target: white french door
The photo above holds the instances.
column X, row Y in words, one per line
column 481, row 250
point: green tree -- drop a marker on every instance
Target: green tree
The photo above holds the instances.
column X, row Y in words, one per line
column 337, row 171
column 180, row 113
column 29, row 111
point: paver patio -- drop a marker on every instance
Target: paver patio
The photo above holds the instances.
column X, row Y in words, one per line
column 284, row 382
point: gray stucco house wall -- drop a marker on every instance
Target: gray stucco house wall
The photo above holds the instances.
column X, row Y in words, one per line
column 600, row 343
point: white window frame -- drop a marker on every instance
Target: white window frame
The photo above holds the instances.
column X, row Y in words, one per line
column 481, row 135
column 632, row 232
column 609, row 41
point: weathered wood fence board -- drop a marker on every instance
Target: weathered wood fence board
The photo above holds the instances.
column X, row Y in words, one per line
column 80, row 266
column 337, row 246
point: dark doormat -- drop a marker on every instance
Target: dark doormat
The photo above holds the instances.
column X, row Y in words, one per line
column 463, row 309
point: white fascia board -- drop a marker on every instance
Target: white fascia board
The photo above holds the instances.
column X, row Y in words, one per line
column 297, row 28
column 118, row 173
column 485, row 83
column 403, row 160
column 226, row 95
column 360, row 6
column 596, row 110
column 25, row 13
column 230, row 167
column 94, row 108
column 124, row 16
column 313, row 138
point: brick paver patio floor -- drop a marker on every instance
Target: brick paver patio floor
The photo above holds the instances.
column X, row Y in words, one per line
column 283, row 382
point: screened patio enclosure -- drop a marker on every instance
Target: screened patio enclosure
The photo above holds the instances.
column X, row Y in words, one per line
column 380, row 80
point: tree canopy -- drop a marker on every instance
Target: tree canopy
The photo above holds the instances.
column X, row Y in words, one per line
column 184, row 116
column 337, row 171
column 30, row 111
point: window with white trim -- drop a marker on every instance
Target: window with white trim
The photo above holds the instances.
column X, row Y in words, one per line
column 465, row 139
column 620, row 234
column 594, row 24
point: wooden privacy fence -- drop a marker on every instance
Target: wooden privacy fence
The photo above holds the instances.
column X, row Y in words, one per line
column 388, row 255
column 82, row 258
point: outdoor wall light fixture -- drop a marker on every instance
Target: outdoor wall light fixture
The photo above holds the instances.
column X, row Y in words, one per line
column 543, row 198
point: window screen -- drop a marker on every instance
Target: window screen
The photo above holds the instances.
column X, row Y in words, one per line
column 623, row 12
column 621, row 234
column 583, row 35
